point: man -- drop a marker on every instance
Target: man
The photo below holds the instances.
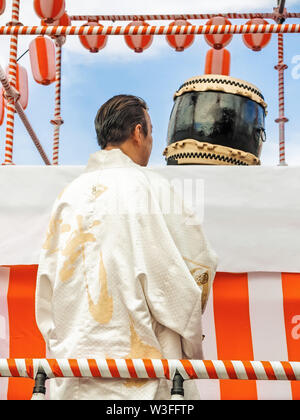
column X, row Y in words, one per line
column 118, row 278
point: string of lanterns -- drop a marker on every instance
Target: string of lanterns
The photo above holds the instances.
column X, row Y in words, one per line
column 53, row 12
column 180, row 42
column 138, row 43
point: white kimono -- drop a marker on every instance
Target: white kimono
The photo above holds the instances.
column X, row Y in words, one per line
column 119, row 278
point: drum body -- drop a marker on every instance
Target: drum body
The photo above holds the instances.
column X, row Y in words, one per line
column 216, row 120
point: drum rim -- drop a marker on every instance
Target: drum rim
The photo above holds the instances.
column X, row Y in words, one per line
column 193, row 151
column 221, row 83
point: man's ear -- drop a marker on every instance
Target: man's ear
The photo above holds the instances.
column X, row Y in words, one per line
column 137, row 134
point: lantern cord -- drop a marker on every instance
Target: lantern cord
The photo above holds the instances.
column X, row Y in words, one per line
column 115, row 18
column 281, row 120
column 57, row 120
column 12, row 96
column 12, row 71
column 22, row 55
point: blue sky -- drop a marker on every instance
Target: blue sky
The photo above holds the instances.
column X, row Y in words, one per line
column 91, row 79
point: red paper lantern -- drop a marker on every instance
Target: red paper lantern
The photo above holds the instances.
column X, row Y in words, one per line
column 65, row 20
column 49, row 10
column 217, row 62
column 138, row 43
column 42, row 59
column 218, row 41
column 2, row 8
column 21, row 85
column 256, row 41
column 180, row 42
column 93, row 43
column 1, row 106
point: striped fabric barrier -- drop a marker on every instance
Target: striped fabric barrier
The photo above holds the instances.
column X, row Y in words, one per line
column 152, row 369
column 249, row 316
column 149, row 30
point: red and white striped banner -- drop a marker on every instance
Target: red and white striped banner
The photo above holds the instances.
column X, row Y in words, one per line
column 19, row 335
column 250, row 316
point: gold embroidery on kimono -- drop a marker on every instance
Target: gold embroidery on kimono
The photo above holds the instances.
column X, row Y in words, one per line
column 201, row 274
column 101, row 311
column 74, row 249
column 54, row 229
column 62, row 193
column 139, row 350
column 97, row 190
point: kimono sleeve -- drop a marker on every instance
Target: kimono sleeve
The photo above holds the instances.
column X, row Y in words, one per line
column 186, row 230
column 45, row 278
column 163, row 253
column 43, row 310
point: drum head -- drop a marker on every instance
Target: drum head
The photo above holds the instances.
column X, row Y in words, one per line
column 228, row 116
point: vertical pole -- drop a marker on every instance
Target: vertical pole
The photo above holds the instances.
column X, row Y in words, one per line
column 10, row 115
column 57, row 120
column 281, row 120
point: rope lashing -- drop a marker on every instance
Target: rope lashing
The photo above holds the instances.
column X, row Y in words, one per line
column 151, row 368
column 13, row 96
column 150, row 30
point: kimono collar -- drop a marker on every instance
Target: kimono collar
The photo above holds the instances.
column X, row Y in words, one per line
column 113, row 158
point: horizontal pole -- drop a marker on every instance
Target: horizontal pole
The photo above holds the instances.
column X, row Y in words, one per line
column 189, row 16
column 151, row 368
column 149, row 30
